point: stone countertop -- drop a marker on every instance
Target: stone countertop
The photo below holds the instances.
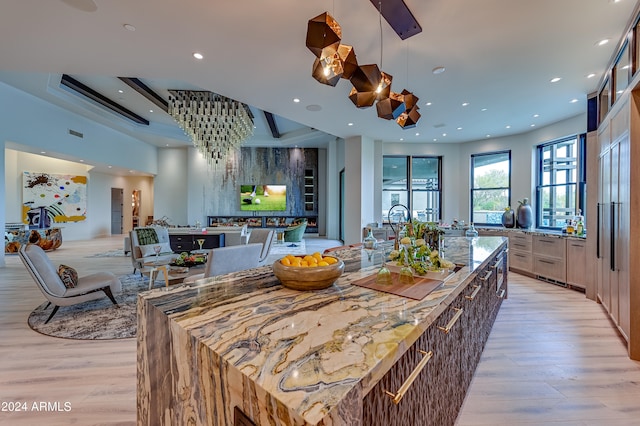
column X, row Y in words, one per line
column 312, row 351
column 532, row 231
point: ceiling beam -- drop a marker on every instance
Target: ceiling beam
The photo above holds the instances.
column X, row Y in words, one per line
column 84, row 90
column 146, row 91
column 271, row 120
column 398, row 15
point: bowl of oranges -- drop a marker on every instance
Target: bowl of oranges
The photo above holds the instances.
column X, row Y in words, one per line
column 308, row 272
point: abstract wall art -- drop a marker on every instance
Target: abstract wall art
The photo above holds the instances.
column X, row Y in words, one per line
column 53, row 198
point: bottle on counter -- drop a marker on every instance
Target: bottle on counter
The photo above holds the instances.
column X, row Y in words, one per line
column 580, row 227
column 570, row 227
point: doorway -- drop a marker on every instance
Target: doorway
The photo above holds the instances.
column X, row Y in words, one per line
column 116, row 210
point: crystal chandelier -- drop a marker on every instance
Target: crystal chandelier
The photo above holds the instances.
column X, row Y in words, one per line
column 216, row 125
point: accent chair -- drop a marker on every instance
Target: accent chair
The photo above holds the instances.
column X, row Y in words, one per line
column 45, row 274
column 265, row 237
column 294, row 234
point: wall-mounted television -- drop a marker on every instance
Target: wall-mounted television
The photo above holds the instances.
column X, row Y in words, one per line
column 263, row 197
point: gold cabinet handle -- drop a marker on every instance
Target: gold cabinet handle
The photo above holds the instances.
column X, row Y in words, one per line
column 453, row 321
column 501, row 296
column 475, row 292
column 396, row 397
column 487, row 275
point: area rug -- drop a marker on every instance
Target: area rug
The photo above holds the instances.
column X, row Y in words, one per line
column 288, row 248
column 94, row 320
column 110, row 253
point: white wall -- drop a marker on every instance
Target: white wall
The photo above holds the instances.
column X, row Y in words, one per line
column 171, row 186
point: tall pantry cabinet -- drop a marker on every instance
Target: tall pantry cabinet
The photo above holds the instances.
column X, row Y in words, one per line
column 618, row 245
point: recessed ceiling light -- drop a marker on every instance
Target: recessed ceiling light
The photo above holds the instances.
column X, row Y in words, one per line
column 591, row 75
column 487, row 136
column 109, row 166
column 483, row 109
column 150, row 110
column 435, row 140
column 82, row 161
column 198, row 55
column 555, row 79
column 459, row 128
column 602, row 42
column 428, row 103
column 507, row 127
column 401, row 139
column 129, row 27
column 130, row 171
column 438, row 70
column 296, row 100
column 43, row 152
column 465, row 104
column 444, row 134
column 536, row 115
column 349, row 124
column 573, row 101
column 417, row 134
column 167, row 145
column 120, row 91
column 533, row 125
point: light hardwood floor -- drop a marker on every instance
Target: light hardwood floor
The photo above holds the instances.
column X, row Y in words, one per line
column 552, row 358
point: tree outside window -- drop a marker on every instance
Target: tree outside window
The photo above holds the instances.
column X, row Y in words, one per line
column 491, row 187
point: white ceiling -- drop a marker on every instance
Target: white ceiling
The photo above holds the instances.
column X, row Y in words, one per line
column 499, row 55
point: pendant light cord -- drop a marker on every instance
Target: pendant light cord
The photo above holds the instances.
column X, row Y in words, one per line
column 380, row 22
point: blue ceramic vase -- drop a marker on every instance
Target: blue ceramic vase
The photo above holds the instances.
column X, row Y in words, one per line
column 508, row 218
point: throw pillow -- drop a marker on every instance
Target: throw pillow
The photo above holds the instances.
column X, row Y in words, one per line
column 149, row 249
column 68, row 275
column 147, row 236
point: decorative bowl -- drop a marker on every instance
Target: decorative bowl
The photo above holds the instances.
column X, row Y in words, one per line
column 317, row 278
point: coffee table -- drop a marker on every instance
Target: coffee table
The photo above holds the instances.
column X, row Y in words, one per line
column 152, row 268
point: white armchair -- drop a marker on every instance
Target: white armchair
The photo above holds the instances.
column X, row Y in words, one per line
column 143, row 240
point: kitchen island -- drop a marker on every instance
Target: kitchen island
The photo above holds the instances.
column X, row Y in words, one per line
column 242, row 349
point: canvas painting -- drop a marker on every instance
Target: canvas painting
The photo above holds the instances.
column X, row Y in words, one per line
column 53, row 198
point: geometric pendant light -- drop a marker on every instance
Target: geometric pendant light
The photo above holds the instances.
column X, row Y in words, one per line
column 409, row 118
column 391, row 107
column 323, row 35
column 365, row 80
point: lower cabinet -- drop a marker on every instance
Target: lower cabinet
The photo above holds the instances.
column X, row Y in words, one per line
column 576, row 261
column 549, row 258
column 443, row 360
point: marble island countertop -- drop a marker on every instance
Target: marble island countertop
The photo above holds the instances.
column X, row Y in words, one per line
column 306, row 357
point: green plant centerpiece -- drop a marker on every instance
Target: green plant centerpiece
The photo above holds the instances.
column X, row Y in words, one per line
column 421, row 254
column 186, row 259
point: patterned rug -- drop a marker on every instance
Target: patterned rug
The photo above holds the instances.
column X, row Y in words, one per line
column 110, row 253
column 288, row 248
column 95, row 320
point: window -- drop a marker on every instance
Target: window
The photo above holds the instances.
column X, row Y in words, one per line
column 490, row 187
column 560, row 181
column 621, row 73
column 414, row 182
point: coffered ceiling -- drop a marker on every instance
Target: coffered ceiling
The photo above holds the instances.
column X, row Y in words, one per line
column 499, row 58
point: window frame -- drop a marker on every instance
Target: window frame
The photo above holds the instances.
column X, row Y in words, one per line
column 473, row 188
column 579, row 184
column 410, row 190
